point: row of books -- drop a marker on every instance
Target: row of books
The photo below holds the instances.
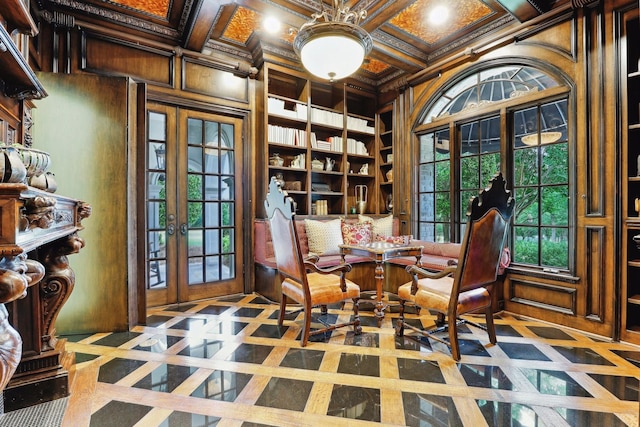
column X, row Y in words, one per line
column 318, row 115
column 287, row 136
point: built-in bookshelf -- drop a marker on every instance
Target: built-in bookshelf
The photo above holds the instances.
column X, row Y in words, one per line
column 320, row 140
column 630, row 76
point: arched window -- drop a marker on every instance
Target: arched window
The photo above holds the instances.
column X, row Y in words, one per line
column 508, row 116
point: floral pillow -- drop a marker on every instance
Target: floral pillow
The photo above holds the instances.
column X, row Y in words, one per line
column 397, row 240
column 381, row 227
column 359, row 233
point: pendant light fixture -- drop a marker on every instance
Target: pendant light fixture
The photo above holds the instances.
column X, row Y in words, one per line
column 334, row 48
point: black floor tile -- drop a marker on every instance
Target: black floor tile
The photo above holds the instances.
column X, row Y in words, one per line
column 550, row 333
column 554, row 382
column 190, row 324
column 226, row 327
column 359, row 364
column 117, row 339
column 522, row 351
column 158, row 343
column 116, row 369
column 270, row 331
column 156, row 320
column 213, row 309
column 202, row 348
column 165, row 378
column 185, row 419
column 362, row 340
column 582, row 355
column 119, row 414
column 355, row 402
column 303, row 359
column 485, row 376
column 498, row 414
column 589, row 418
column 420, row 370
column 506, row 331
column 429, row 410
column 624, row 388
column 285, row 393
column 247, row 312
column 222, row 385
column 250, row 353
column 84, row 357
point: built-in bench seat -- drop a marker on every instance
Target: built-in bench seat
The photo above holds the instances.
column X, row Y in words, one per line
column 435, row 256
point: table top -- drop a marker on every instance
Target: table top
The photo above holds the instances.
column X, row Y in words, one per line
column 386, row 249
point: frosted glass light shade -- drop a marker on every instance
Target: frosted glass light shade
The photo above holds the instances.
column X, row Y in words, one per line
column 332, row 57
column 332, row 50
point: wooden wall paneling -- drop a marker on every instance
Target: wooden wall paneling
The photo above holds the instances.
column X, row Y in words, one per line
column 205, row 79
column 546, row 296
column 595, row 270
column 102, row 54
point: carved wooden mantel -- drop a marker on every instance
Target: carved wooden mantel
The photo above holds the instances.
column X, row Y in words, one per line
column 38, row 230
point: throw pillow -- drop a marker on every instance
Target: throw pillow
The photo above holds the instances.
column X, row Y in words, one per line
column 324, row 236
column 396, row 240
column 381, row 227
column 356, row 233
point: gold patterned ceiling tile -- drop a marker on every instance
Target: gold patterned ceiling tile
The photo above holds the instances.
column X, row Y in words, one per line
column 242, row 24
column 374, row 66
column 153, row 7
column 414, row 21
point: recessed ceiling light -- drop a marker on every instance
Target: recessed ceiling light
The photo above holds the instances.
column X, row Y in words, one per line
column 271, row 24
column 439, row 15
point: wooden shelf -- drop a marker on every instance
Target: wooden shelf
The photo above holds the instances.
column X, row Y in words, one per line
column 19, row 80
column 17, row 15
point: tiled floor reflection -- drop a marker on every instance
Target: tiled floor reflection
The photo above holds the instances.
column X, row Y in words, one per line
column 226, row 362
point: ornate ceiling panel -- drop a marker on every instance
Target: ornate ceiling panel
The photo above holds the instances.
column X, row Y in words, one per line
column 404, row 40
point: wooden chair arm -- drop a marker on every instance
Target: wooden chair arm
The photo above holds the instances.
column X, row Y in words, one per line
column 312, row 258
column 415, row 270
column 340, row 268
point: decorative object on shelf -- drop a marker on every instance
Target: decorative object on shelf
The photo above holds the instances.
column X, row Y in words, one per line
column 637, row 206
column 276, row 160
column 361, row 198
column 335, row 48
column 320, row 186
column 389, row 175
column 321, row 207
column 389, row 202
column 317, row 165
column 636, row 240
column 329, row 164
column 293, row 185
column 45, row 181
column 390, row 158
column 364, row 169
column 638, row 165
column 11, row 167
column 297, row 162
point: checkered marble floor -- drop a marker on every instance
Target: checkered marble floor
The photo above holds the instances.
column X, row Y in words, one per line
column 225, row 362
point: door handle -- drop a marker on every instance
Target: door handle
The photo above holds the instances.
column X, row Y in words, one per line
column 183, row 229
column 171, row 229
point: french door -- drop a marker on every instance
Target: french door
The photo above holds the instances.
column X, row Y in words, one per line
column 193, row 201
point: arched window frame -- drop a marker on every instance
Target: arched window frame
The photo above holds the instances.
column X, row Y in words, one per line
column 432, row 226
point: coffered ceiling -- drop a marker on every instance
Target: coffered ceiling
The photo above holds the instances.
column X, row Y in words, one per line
column 405, row 41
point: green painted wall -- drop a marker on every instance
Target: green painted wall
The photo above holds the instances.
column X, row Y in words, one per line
column 83, row 125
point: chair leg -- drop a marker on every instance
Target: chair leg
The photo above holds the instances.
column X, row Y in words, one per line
column 491, row 329
column 453, row 336
column 400, row 321
column 323, row 309
column 357, row 329
column 283, row 307
column 307, row 324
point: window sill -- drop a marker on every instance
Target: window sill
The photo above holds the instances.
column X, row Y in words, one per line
column 560, row 276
